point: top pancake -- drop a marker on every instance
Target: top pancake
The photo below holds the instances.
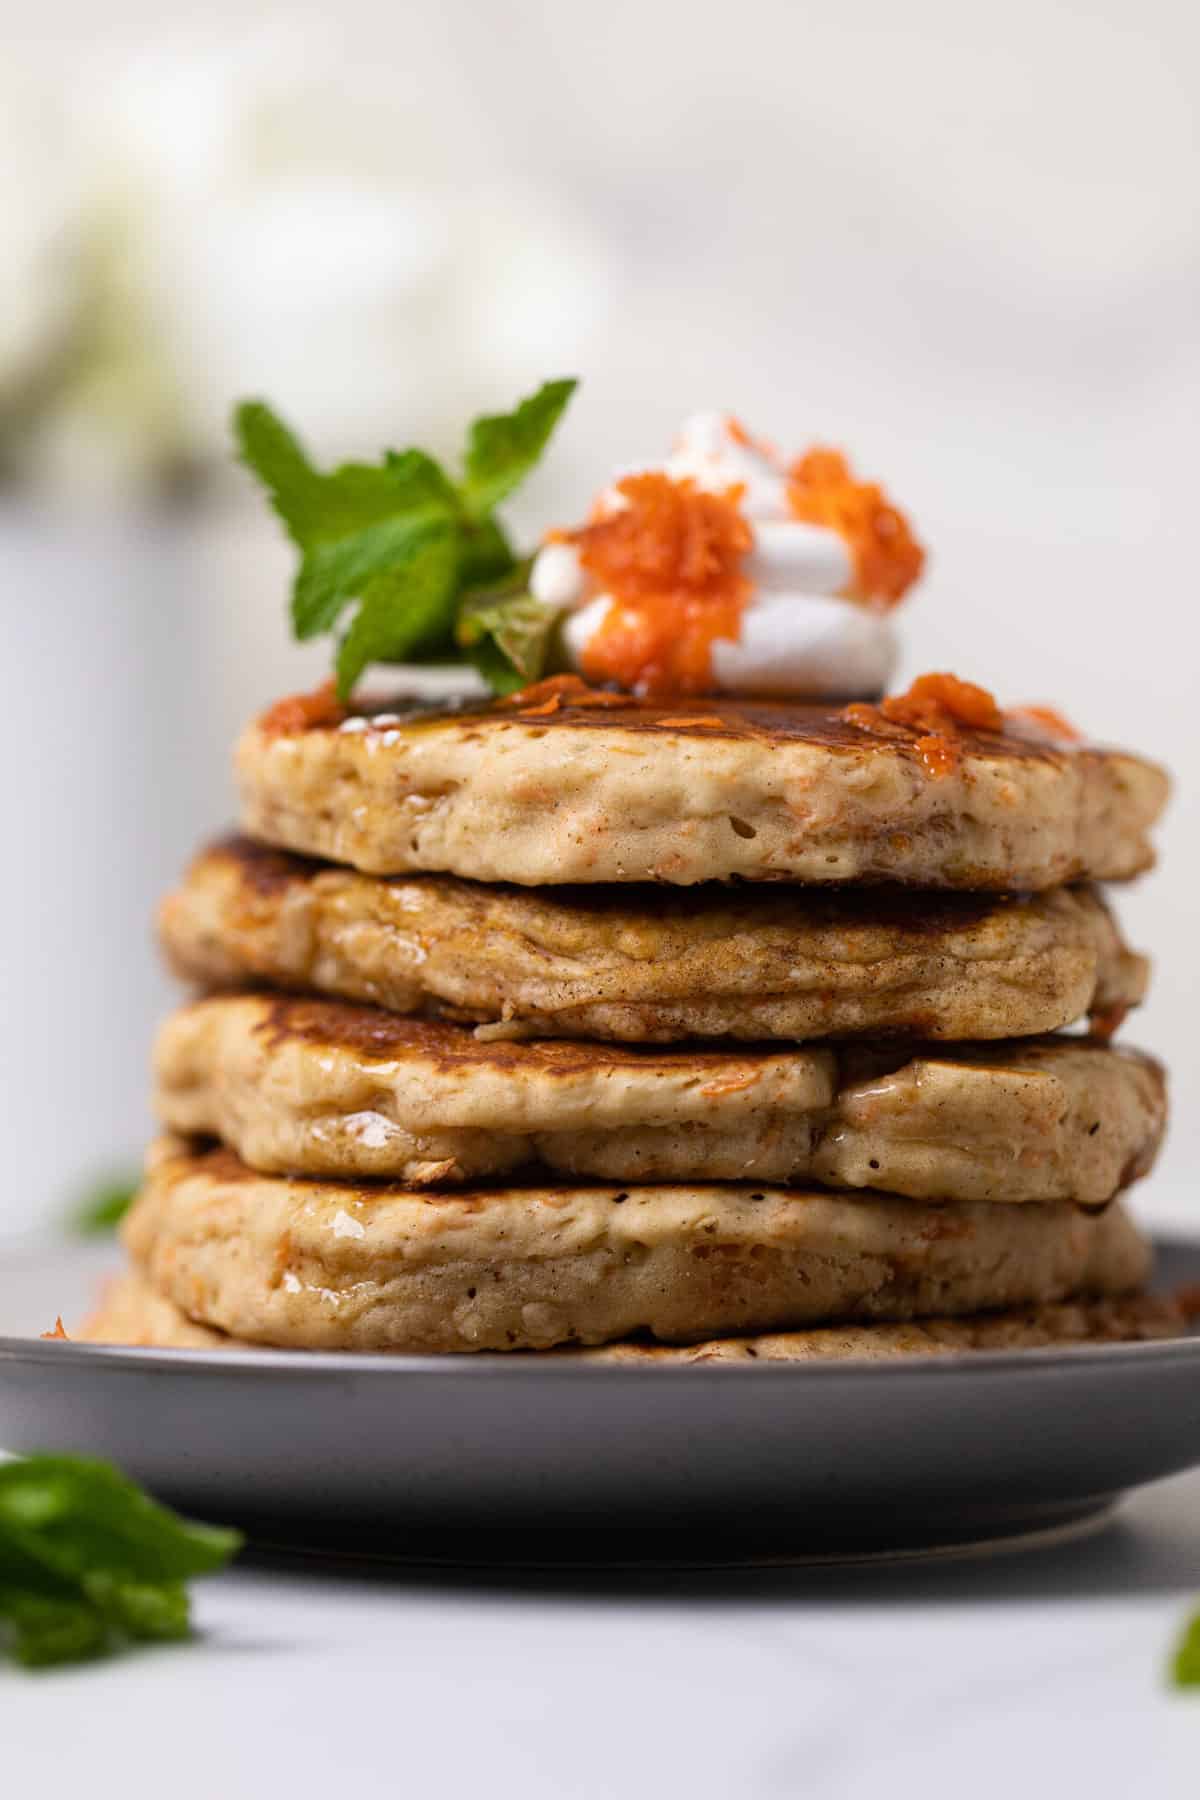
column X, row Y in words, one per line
column 689, row 791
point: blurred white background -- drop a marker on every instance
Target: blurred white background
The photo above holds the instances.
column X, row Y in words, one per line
column 961, row 240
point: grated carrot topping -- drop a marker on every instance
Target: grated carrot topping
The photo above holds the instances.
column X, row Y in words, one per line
column 887, row 557
column 57, row 1335
column 934, row 700
column 671, row 557
column 935, row 709
column 302, row 712
column 939, row 754
column 1046, row 721
column 710, row 720
column 560, row 690
column 748, row 441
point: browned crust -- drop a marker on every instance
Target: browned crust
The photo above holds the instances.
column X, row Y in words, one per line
column 765, row 792
column 324, row 1088
column 442, row 1045
column 704, row 718
column 652, row 964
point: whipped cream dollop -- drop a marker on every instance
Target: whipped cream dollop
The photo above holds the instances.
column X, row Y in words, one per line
column 799, row 633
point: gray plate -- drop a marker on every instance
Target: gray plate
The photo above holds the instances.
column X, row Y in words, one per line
column 475, row 1459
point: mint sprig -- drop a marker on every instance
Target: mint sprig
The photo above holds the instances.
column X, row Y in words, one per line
column 88, row 1561
column 503, row 447
column 509, row 636
column 404, row 606
column 399, row 539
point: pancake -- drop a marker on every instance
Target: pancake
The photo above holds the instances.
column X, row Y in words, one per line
column 319, row 1087
column 328, row 1265
column 1137, row 1318
column 130, row 1311
column 691, row 791
column 651, row 964
column 133, row 1312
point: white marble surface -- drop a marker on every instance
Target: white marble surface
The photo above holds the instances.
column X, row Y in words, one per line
column 1039, row 1673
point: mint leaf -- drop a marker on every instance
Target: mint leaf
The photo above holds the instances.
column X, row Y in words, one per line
column 500, row 673
column 1185, row 1664
column 317, row 508
column 503, row 447
column 333, row 574
column 153, row 1611
column 399, row 537
column 87, row 1559
column 267, row 447
column 407, row 611
column 49, row 1627
column 509, row 636
column 351, row 524
column 76, row 1517
column 102, row 1209
column 487, row 555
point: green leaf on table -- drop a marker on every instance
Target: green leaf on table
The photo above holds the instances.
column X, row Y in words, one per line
column 1185, row 1664
column 48, row 1628
column 101, row 1208
column 87, row 1561
column 502, row 448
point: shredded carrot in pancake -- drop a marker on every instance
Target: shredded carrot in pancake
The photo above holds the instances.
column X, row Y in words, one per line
column 301, row 712
column 729, row 1084
column 887, row 557
column 930, row 716
column 671, row 557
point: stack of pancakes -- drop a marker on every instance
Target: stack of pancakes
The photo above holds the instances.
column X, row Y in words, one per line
column 577, row 1020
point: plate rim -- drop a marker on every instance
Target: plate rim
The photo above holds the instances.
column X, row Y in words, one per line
column 330, row 1365
column 538, row 1366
